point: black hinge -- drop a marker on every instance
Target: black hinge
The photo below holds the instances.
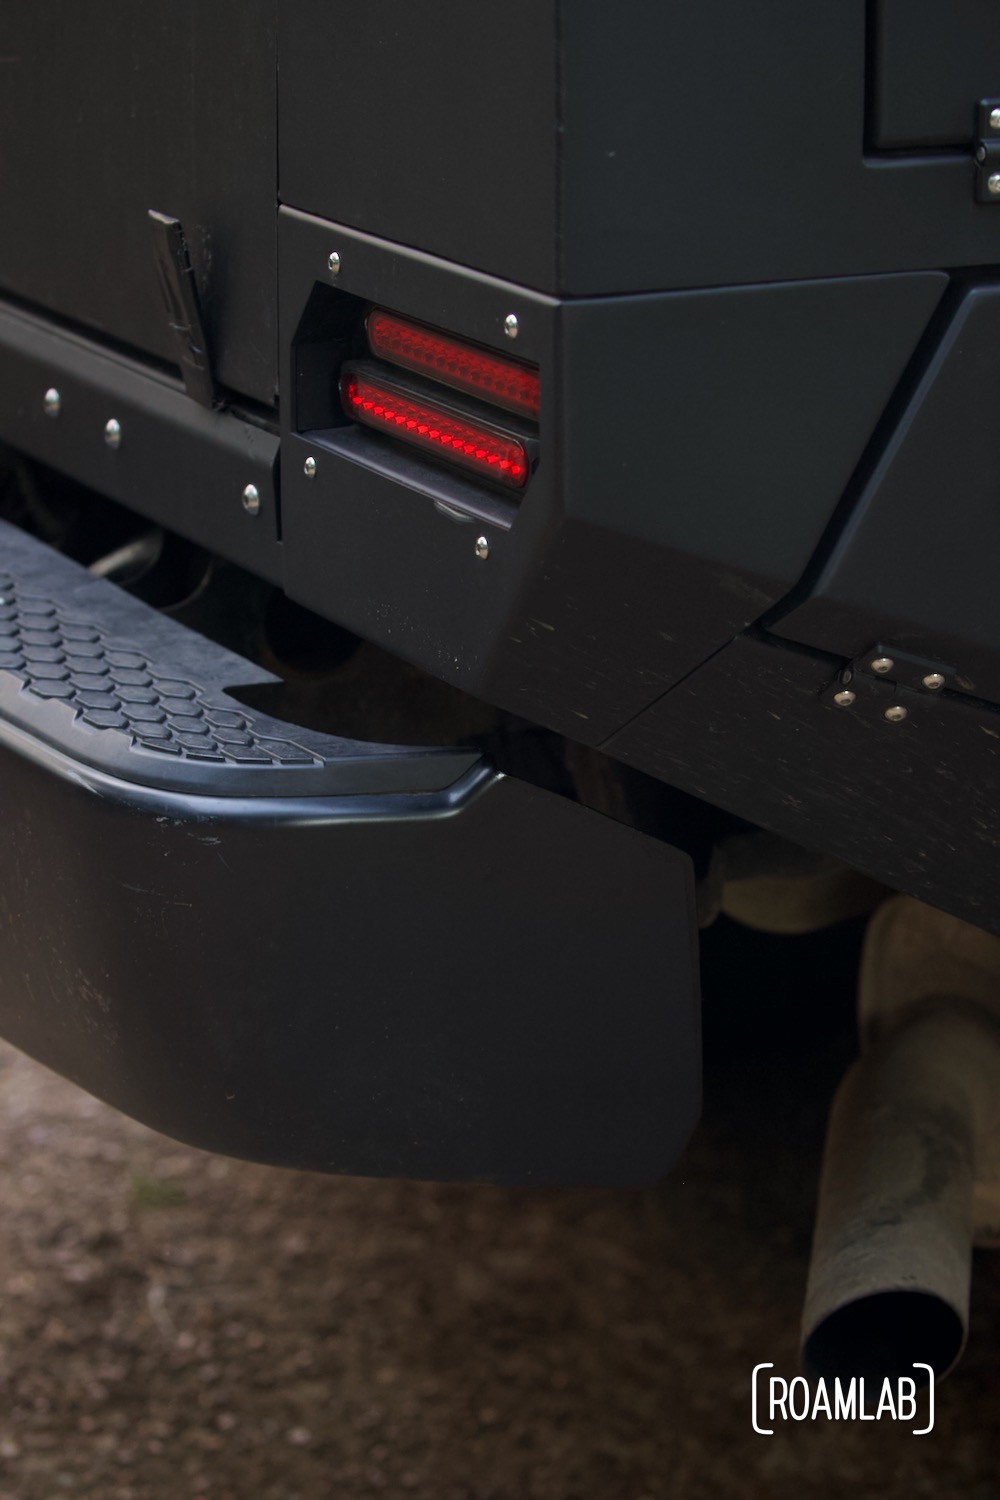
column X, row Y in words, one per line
column 988, row 151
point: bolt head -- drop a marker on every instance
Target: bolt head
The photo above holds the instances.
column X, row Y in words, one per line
column 882, row 665
column 896, row 714
column 995, row 119
column 844, row 698
column 251, row 500
column 933, row 682
column 309, row 467
column 993, row 184
column 333, row 263
column 113, row 433
column 511, row 327
column 52, row 402
column 482, row 548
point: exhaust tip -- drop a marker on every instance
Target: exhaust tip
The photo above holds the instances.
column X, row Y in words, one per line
column 884, row 1335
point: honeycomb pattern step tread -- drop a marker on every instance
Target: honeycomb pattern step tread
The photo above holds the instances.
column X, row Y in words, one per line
column 119, row 689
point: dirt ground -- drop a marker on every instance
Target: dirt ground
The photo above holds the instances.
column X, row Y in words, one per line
column 177, row 1325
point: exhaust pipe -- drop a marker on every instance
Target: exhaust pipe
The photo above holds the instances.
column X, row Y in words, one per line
column 889, row 1282
column 911, row 1155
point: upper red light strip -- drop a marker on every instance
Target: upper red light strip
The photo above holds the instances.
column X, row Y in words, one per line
column 502, row 382
column 490, row 454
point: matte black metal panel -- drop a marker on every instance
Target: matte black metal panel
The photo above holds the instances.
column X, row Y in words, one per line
column 723, row 142
column 532, row 140
column 111, row 108
column 916, row 562
column 914, row 804
column 933, row 59
column 488, row 984
column 674, row 146
column 705, row 440
column 178, row 463
column 432, row 124
column 726, row 424
column 370, row 548
column 693, row 448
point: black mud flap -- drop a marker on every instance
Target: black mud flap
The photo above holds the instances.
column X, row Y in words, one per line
column 311, row 951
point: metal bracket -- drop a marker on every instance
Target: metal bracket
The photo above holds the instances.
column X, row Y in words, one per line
column 888, row 684
column 180, row 294
column 988, row 151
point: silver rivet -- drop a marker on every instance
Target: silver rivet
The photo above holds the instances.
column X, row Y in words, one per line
column 510, row 326
column 482, row 547
column 933, row 682
column 995, row 119
column 52, row 402
column 113, row 433
column 251, row 500
column 896, row 714
column 883, row 664
column 844, row 699
column 993, row 183
column 309, row 468
column 333, row 263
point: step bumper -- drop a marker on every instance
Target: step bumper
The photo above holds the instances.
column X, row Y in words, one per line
column 312, row 951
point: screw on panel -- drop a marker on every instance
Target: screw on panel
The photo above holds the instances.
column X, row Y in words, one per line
column 510, row 326
column 309, row 468
column 883, row 664
column 993, row 183
column 845, row 698
column 251, row 500
column 482, row 548
column 333, row 263
column 896, row 714
column 52, row 402
column 113, row 433
column 933, row 682
column 995, row 119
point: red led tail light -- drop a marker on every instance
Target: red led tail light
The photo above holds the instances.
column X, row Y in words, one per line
column 491, row 377
column 370, row 398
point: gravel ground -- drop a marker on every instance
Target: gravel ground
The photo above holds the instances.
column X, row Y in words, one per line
column 179, row 1325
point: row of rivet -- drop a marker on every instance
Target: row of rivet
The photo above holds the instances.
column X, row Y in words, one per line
column 310, row 467
column 511, row 326
column 52, row 406
column 52, row 403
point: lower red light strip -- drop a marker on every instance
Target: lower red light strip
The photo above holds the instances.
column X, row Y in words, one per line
column 492, row 455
